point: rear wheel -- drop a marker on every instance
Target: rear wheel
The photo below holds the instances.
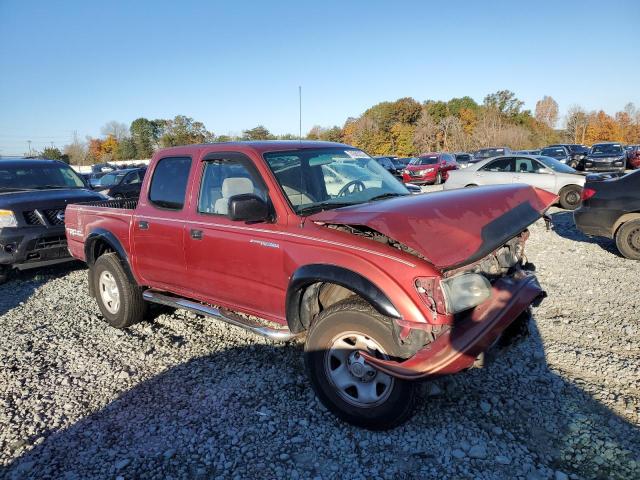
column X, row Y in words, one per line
column 119, row 299
column 628, row 239
column 570, row 197
column 349, row 387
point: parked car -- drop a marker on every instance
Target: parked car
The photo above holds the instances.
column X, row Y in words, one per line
column 633, row 156
column 33, row 196
column 577, row 154
column 606, row 157
column 390, row 166
column 429, row 168
column 485, row 153
column 527, row 152
column 372, row 277
column 611, row 208
column 538, row 171
column 122, row 183
column 559, row 152
column 463, row 159
column 93, row 179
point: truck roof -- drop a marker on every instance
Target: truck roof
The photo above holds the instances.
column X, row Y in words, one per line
column 259, row 146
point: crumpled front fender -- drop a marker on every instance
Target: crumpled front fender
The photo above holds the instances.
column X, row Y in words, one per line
column 458, row 348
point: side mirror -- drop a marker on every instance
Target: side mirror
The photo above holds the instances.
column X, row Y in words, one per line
column 248, row 207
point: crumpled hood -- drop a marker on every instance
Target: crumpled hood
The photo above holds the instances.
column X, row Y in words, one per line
column 450, row 228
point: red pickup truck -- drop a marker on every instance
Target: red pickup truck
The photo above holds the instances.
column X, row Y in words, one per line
column 317, row 240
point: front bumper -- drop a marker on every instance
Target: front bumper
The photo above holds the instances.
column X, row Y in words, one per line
column 459, row 347
column 427, row 178
column 596, row 166
column 27, row 247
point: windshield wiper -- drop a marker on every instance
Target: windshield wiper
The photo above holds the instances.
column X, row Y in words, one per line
column 382, row 196
column 319, row 207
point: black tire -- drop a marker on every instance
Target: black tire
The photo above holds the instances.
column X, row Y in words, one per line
column 118, row 196
column 570, row 197
column 397, row 398
column 130, row 307
column 438, row 179
column 628, row 239
column 574, row 164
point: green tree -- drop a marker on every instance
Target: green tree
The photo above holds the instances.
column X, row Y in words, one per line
column 126, row 149
column 505, row 102
column 145, row 134
column 184, row 130
column 257, row 133
column 53, row 153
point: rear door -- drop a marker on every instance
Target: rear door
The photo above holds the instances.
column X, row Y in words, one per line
column 498, row 171
column 158, row 225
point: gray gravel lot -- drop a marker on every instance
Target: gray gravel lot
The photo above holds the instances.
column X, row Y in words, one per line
column 187, row 397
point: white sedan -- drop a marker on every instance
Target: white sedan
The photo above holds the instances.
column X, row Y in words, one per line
column 535, row 170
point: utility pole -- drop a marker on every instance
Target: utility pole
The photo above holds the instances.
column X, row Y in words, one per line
column 29, row 142
column 300, row 112
column 52, row 146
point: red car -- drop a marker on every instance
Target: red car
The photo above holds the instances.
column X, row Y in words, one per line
column 317, row 240
column 431, row 168
column 633, row 157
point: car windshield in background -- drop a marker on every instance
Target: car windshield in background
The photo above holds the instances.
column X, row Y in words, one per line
column 320, row 179
column 607, row 149
column 111, row 179
column 555, row 165
column 553, row 152
column 38, row 177
column 424, row 161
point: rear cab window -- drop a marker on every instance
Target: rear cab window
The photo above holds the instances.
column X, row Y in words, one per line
column 169, row 183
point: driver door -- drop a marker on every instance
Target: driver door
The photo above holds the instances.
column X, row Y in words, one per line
column 233, row 263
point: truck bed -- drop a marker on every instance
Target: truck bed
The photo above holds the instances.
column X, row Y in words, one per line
column 112, row 216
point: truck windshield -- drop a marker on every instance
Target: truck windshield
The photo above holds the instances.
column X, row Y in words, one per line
column 39, row 177
column 320, row 179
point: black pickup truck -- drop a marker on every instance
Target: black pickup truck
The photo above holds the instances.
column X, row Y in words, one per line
column 33, row 198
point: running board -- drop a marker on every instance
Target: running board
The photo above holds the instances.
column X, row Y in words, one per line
column 278, row 334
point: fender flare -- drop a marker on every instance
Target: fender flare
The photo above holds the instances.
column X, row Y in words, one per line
column 102, row 235
column 314, row 273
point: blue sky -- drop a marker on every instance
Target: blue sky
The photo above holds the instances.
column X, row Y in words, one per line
column 75, row 65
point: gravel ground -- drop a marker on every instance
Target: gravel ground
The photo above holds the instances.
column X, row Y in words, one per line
column 188, row 397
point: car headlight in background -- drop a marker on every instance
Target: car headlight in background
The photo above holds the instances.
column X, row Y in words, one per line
column 465, row 291
column 7, row 219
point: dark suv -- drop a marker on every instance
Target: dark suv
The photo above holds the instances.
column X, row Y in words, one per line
column 122, row 183
column 33, row 198
column 577, row 154
column 485, row 153
column 559, row 152
column 606, row 157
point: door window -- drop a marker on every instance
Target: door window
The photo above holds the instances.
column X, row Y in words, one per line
column 221, row 180
column 528, row 165
column 499, row 165
column 169, row 182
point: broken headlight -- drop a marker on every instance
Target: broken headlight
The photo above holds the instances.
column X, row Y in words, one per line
column 465, row 291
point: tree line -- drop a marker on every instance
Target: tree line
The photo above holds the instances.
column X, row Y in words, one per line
column 404, row 127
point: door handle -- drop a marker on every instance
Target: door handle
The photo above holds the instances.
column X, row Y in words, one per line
column 196, row 234
column 142, row 225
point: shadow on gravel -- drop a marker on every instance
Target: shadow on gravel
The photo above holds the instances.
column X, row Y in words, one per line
column 175, row 425
column 21, row 284
column 564, row 226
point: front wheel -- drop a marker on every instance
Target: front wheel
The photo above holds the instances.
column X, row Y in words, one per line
column 570, row 197
column 628, row 239
column 349, row 387
column 119, row 299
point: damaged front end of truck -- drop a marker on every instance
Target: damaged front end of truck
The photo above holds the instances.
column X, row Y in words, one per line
column 475, row 239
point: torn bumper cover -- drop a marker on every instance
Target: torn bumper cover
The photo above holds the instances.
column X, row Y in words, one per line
column 458, row 348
